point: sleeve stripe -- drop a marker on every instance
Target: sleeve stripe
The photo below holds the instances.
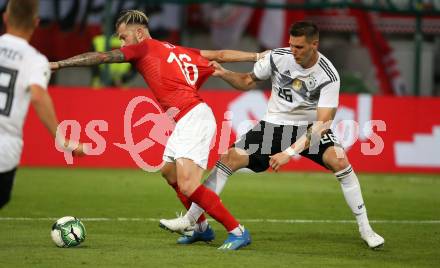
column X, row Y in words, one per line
column 282, row 50
column 279, row 53
column 272, row 64
column 326, row 64
column 328, row 70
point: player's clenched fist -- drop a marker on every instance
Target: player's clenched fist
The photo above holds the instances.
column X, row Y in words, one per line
column 278, row 160
column 218, row 69
column 54, row 66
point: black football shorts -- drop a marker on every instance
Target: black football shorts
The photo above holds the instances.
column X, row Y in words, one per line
column 266, row 139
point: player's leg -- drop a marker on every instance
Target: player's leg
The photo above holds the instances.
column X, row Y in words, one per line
column 179, row 144
column 240, row 156
column 189, row 175
column 189, row 146
column 335, row 159
column 6, row 183
column 233, row 160
column 246, row 153
column 190, row 139
column 229, row 162
column 169, row 172
column 202, row 231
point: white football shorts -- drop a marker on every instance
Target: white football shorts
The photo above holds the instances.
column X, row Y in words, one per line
column 192, row 136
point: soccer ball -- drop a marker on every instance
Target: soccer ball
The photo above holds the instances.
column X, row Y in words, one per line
column 68, row 232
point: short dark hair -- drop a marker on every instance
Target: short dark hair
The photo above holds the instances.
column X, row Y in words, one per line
column 132, row 16
column 305, row 28
column 22, row 13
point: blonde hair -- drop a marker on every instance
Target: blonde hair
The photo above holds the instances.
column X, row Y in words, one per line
column 22, row 13
column 132, row 16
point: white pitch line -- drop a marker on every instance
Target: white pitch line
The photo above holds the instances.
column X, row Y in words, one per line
column 285, row 221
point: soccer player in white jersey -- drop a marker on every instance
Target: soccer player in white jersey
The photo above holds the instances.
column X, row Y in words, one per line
column 303, row 103
column 24, row 76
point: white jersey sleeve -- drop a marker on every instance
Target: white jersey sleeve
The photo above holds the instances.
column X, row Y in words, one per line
column 262, row 68
column 329, row 97
column 40, row 72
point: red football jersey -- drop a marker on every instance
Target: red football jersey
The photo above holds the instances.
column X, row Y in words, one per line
column 173, row 73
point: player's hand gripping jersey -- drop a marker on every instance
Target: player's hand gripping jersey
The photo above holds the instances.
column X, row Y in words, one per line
column 297, row 92
column 173, row 73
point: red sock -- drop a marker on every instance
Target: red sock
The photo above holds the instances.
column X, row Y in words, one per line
column 212, row 204
column 186, row 202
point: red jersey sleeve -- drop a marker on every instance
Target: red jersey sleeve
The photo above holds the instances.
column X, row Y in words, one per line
column 134, row 52
column 194, row 50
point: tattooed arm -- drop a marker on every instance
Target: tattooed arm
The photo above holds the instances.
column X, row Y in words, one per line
column 89, row 59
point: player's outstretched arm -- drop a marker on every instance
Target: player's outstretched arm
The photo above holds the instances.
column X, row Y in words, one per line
column 43, row 105
column 231, row 55
column 90, row 59
column 240, row 81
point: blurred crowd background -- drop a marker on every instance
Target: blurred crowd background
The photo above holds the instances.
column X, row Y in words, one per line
column 383, row 47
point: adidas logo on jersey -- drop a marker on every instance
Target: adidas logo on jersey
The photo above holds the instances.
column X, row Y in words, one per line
column 287, row 73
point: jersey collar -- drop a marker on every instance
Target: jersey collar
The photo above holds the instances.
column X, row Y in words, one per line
column 15, row 38
column 313, row 66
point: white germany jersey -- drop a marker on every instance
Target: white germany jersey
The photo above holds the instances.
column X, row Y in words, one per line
column 297, row 92
column 20, row 66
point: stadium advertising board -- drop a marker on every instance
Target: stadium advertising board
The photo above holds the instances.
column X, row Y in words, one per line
column 127, row 129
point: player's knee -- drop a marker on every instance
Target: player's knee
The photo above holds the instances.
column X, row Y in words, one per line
column 338, row 164
column 168, row 175
column 165, row 174
column 233, row 159
column 226, row 159
column 187, row 187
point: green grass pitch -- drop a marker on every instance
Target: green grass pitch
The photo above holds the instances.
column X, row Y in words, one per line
column 120, row 209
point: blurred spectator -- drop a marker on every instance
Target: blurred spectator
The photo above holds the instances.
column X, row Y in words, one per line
column 119, row 73
column 227, row 22
column 165, row 21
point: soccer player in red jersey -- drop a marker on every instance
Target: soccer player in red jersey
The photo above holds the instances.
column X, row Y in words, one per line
column 175, row 74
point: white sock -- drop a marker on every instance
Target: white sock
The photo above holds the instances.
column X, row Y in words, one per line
column 216, row 182
column 238, row 231
column 217, row 178
column 190, row 219
column 353, row 196
column 201, row 226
